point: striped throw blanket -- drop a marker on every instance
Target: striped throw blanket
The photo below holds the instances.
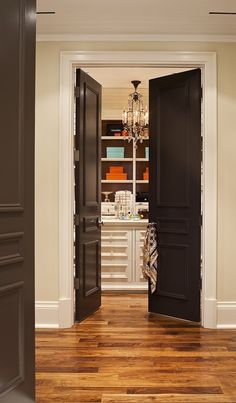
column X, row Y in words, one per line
column 150, row 255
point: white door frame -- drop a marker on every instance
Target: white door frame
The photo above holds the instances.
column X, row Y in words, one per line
column 207, row 62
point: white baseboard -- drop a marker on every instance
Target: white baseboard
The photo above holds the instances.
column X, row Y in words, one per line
column 209, row 314
column 226, row 315
column 66, row 317
column 46, row 314
column 55, row 314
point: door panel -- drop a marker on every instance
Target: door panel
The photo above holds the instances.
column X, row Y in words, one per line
column 87, row 195
column 17, row 99
column 175, row 191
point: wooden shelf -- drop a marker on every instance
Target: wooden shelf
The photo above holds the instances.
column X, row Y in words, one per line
column 142, row 181
column 118, row 159
column 116, row 181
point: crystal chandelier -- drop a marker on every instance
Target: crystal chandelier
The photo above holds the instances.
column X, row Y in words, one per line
column 135, row 118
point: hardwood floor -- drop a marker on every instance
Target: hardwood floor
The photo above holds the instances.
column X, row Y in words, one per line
column 122, row 354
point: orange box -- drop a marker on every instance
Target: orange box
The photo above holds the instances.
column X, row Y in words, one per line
column 119, row 169
column 116, row 176
column 146, row 174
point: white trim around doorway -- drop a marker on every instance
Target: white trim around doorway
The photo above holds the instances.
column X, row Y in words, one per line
column 207, row 62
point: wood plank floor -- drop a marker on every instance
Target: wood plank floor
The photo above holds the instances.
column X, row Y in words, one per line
column 122, row 354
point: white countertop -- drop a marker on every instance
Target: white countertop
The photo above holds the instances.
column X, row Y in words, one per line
column 113, row 220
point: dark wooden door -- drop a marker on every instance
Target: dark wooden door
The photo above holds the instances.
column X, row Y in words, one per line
column 17, row 105
column 87, row 195
column 175, row 191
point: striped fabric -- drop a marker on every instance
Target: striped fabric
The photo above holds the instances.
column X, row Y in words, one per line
column 150, row 255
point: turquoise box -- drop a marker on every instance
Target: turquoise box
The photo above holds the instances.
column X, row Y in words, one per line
column 115, row 152
column 147, row 152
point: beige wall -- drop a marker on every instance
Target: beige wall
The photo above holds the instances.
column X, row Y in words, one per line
column 47, row 117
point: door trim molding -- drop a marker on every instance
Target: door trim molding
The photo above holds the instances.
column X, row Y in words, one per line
column 207, row 62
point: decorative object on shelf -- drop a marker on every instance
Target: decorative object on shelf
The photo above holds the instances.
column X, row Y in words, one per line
column 124, row 133
column 135, row 118
column 108, row 209
column 145, row 133
column 146, row 174
column 106, row 194
column 123, row 201
column 147, row 152
column 115, row 152
column 114, row 129
column 142, row 197
column 143, row 213
column 116, row 173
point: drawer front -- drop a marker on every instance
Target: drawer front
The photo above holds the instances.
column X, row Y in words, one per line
column 139, row 255
column 116, row 256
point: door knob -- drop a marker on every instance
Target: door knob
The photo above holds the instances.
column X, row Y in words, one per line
column 100, row 222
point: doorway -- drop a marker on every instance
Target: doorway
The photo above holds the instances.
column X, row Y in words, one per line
column 206, row 65
column 175, row 192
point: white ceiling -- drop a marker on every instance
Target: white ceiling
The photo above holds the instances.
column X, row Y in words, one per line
column 132, row 17
column 121, row 77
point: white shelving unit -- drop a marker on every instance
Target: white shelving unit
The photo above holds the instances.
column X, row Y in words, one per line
column 141, row 181
column 136, row 177
column 118, row 159
column 122, row 241
column 142, row 159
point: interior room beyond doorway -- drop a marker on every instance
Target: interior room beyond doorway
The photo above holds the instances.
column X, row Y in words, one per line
column 123, row 233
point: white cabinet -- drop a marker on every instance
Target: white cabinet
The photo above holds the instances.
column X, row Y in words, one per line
column 116, row 256
column 122, row 255
column 139, row 235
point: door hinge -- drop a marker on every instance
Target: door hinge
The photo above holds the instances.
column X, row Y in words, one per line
column 201, row 94
column 76, row 283
column 201, row 148
column 200, row 220
column 76, row 92
column 76, row 155
column 76, row 219
column 200, row 283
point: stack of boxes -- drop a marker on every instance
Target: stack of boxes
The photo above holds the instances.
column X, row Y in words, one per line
column 116, row 173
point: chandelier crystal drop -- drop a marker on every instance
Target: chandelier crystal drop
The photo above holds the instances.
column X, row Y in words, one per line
column 135, row 118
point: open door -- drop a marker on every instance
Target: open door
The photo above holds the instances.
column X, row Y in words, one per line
column 87, row 196
column 17, row 109
column 175, row 192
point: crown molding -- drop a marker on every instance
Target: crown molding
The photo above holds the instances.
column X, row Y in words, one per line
column 134, row 38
